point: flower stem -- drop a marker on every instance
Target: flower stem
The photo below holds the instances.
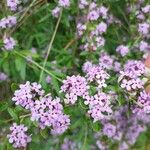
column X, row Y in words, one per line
column 40, row 67
column 50, row 46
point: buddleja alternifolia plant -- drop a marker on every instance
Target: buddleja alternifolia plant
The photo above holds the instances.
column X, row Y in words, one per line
column 73, row 75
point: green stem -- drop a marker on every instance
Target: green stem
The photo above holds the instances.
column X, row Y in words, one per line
column 50, row 46
column 85, row 138
column 37, row 65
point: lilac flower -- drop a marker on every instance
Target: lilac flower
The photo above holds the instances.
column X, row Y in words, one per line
column 33, row 50
column 68, row 145
column 49, row 113
column 9, row 43
column 132, row 84
column 135, row 68
column 83, row 4
column 27, row 94
column 93, row 15
column 99, row 106
column 122, row 50
column 3, row 76
column 18, row 136
column 117, row 66
column 144, row 28
column 64, row 3
column 109, row 130
column 100, row 41
column 123, row 146
column 101, row 28
column 106, row 61
column 87, row 66
column 144, row 100
column 9, row 21
column 146, row 9
column 103, row 12
column 12, row 4
column 143, row 46
column 97, row 74
column 48, row 79
column 56, row 12
column 74, row 86
column 101, row 145
column 81, row 28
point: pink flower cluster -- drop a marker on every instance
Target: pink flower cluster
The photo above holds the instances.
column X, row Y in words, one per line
column 92, row 35
column 97, row 75
column 9, row 43
column 46, row 111
column 99, row 106
column 28, row 94
column 121, row 127
column 122, row 50
column 8, row 22
column 13, row 4
column 49, row 113
column 74, row 87
column 18, row 136
column 61, row 4
column 130, row 76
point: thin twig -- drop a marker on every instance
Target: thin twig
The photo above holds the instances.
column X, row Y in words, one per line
column 85, row 138
column 21, row 117
column 50, row 46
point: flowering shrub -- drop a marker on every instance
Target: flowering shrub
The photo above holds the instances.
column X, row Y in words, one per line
column 74, row 75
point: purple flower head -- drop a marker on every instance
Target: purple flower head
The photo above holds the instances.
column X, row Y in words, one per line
column 101, row 28
column 100, row 41
column 9, row 43
column 48, row 79
column 93, row 15
column 87, row 66
column 64, row 3
column 13, row 4
column 106, row 61
column 9, row 21
column 146, row 9
column 81, row 28
column 56, row 12
column 103, row 11
column 144, row 100
column 117, row 66
column 83, row 4
column 68, row 145
column 109, row 130
column 49, row 113
column 27, row 94
column 144, row 28
column 122, row 50
column 73, row 87
column 97, row 74
column 18, row 136
column 132, row 85
column 135, row 68
column 143, row 46
column 99, row 106
column 3, row 76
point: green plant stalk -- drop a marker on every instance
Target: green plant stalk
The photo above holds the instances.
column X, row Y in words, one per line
column 50, row 46
column 37, row 65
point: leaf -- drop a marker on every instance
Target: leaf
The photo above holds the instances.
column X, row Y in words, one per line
column 21, row 67
column 96, row 126
column 3, row 106
column 55, row 85
column 13, row 114
column 14, row 87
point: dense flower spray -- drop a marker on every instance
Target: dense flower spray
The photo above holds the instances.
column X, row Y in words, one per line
column 18, row 136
